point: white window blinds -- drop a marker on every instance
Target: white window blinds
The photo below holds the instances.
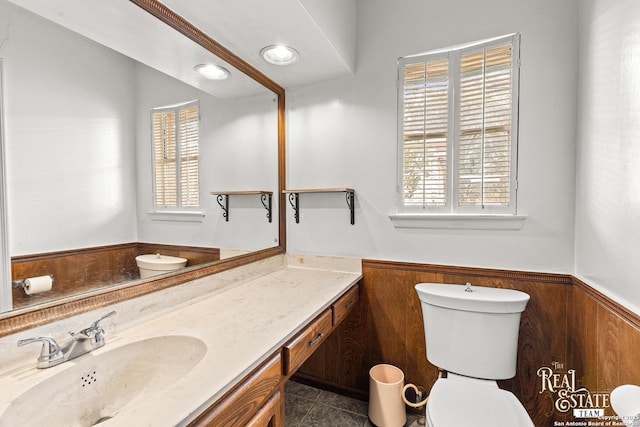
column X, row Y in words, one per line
column 426, row 131
column 175, row 135
column 458, row 129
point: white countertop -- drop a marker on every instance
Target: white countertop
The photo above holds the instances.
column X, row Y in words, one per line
column 242, row 322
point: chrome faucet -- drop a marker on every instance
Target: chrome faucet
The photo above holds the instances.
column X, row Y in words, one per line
column 81, row 342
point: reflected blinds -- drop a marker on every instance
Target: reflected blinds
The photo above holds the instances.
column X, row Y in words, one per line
column 175, row 134
column 457, row 128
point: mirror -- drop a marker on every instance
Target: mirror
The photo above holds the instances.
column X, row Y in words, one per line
column 77, row 141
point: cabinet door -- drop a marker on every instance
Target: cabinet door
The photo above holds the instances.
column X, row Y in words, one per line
column 271, row 414
column 240, row 405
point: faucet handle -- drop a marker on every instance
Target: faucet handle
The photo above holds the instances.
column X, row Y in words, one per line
column 94, row 325
column 50, row 348
column 94, row 332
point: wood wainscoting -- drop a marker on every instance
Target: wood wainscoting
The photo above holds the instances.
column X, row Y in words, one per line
column 603, row 341
column 81, row 270
column 564, row 322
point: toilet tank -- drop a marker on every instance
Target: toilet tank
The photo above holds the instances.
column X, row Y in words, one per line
column 472, row 330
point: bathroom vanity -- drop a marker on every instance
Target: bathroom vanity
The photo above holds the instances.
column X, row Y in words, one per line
column 258, row 400
column 227, row 344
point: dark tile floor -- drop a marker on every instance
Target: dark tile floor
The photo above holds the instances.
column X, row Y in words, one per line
column 311, row 407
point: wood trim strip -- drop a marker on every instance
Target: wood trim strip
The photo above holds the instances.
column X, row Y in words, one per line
column 184, row 27
column 94, row 249
column 20, row 320
column 69, row 252
column 602, row 299
column 563, row 279
column 162, row 246
column 282, row 171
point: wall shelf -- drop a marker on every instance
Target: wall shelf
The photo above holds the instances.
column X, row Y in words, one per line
column 222, row 197
column 294, row 199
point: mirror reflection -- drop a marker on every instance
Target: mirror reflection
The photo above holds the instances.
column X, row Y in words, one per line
column 86, row 191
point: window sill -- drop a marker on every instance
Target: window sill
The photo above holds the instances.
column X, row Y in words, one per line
column 178, row 216
column 458, row 221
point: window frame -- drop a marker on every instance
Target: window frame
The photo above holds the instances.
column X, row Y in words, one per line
column 179, row 208
column 453, row 55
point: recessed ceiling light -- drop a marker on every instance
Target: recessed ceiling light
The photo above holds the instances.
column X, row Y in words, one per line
column 279, row 55
column 212, row 72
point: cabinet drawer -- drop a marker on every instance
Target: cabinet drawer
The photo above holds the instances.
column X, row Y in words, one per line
column 238, row 407
column 306, row 342
column 345, row 304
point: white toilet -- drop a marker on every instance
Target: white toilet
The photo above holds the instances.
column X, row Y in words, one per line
column 472, row 333
column 153, row 264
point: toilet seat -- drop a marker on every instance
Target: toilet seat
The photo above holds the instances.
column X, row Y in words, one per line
column 458, row 401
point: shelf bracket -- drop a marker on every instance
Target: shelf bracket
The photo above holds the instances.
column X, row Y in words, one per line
column 294, row 202
column 266, row 202
column 225, row 206
column 350, row 195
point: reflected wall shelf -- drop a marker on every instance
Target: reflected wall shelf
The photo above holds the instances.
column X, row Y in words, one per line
column 294, row 199
column 222, row 197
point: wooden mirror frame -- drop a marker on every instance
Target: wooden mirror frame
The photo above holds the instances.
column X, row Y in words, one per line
column 22, row 319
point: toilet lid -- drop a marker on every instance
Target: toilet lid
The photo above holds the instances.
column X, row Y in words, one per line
column 455, row 403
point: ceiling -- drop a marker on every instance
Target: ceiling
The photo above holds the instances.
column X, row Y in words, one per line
column 322, row 31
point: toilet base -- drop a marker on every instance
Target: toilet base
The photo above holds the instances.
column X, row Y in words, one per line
column 462, row 401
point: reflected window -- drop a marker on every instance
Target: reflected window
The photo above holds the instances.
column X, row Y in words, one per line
column 175, row 143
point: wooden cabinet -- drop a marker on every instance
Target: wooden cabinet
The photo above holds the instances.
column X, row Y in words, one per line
column 239, row 406
column 305, row 343
column 296, row 351
column 271, row 414
column 341, row 308
column 258, row 400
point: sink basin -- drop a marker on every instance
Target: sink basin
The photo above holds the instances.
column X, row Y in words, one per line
column 97, row 387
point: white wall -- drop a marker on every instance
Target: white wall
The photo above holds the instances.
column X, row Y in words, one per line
column 343, row 134
column 238, row 152
column 65, row 95
column 77, row 128
column 607, row 249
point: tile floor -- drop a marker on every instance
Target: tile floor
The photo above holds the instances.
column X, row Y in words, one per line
column 311, row 407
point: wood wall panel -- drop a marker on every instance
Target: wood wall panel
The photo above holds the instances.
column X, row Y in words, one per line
column 386, row 292
column 392, row 326
column 81, row 270
column 582, row 322
column 74, row 271
column 566, row 321
column 418, row 370
column 604, row 341
column 195, row 255
column 609, row 348
column 343, row 360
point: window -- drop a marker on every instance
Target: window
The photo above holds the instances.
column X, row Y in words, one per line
column 458, row 111
column 175, row 138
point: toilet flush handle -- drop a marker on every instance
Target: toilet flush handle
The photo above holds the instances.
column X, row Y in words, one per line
column 468, row 288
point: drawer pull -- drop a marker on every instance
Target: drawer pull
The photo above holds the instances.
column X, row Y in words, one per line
column 350, row 303
column 316, row 339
